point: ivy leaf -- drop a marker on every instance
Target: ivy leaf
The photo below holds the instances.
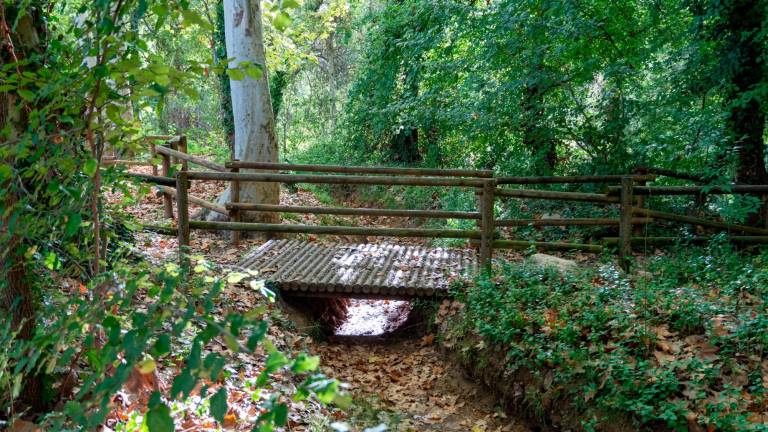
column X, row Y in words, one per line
column 219, row 405
column 159, row 419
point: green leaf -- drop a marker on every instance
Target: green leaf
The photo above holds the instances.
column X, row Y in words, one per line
column 235, row 74
column 6, row 172
column 183, row 383
column 281, row 414
column 281, row 21
column 89, row 167
column 159, row 419
column 254, row 72
column 26, row 95
column 51, row 260
column 305, row 363
column 290, row 4
column 219, row 405
column 73, row 224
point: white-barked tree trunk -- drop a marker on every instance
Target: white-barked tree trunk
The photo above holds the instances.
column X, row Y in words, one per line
column 255, row 138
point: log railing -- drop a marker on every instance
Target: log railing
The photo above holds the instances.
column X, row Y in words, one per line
column 628, row 196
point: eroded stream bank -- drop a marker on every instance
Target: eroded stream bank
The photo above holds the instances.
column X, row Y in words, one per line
column 396, row 371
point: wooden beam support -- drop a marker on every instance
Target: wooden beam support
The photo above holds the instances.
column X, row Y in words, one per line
column 159, row 180
column 337, row 179
column 570, row 179
column 559, row 246
column 567, row 222
column 694, row 190
column 334, row 230
column 342, row 169
column 436, row 214
column 556, row 195
column 194, row 200
column 698, row 221
column 194, row 159
column 660, row 241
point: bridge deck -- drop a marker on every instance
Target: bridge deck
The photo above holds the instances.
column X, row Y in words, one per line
column 359, row 270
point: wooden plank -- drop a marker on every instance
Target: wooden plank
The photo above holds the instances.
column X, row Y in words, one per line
column 190, row 158
column 571, row 179
column 437, row 214
column 659, row 241
column 560, row 246
column 694, row 190
column 343, row 169
column 146, row 178
column 335, row 230
column 337, row 179
column 698, row 221
column 560, row 222
column 556, row 195
column 194, row 200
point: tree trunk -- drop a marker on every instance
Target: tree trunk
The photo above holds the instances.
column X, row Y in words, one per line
column 17, row 298
column 746, row 122
column 255, row 138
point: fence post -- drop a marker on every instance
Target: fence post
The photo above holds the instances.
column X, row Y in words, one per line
column 153, row 156
column 182, row 217
column 182, row 147
column 487, row 222
column 625, row 222
column 167, row 200
column 234, row 214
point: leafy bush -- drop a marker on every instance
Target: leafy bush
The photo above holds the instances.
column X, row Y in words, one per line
column 93, row 350
column 682, row 343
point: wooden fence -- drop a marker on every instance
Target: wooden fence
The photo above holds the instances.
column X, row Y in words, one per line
column 628, row 195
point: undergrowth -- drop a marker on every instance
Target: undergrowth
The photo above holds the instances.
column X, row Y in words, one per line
column 679, row 346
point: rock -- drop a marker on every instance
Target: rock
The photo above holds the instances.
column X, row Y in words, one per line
column 560, row 264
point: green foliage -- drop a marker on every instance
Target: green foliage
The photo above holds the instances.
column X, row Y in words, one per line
column 685, row 338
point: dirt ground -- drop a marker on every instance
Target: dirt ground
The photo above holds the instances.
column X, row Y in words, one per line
column 408, row 385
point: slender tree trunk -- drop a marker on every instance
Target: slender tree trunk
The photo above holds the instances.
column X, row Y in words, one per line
column 254, row 125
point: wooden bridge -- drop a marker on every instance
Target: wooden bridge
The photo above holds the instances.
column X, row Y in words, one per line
column 406, row 271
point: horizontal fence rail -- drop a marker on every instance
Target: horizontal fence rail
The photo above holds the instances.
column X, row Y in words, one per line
column 567, row 222
column 694, row 190
column 337, row 230
column 433, row 214
column 556, row 195
column 194, row 159
column 342, row 169
column 571, row 179
column 336, row 179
